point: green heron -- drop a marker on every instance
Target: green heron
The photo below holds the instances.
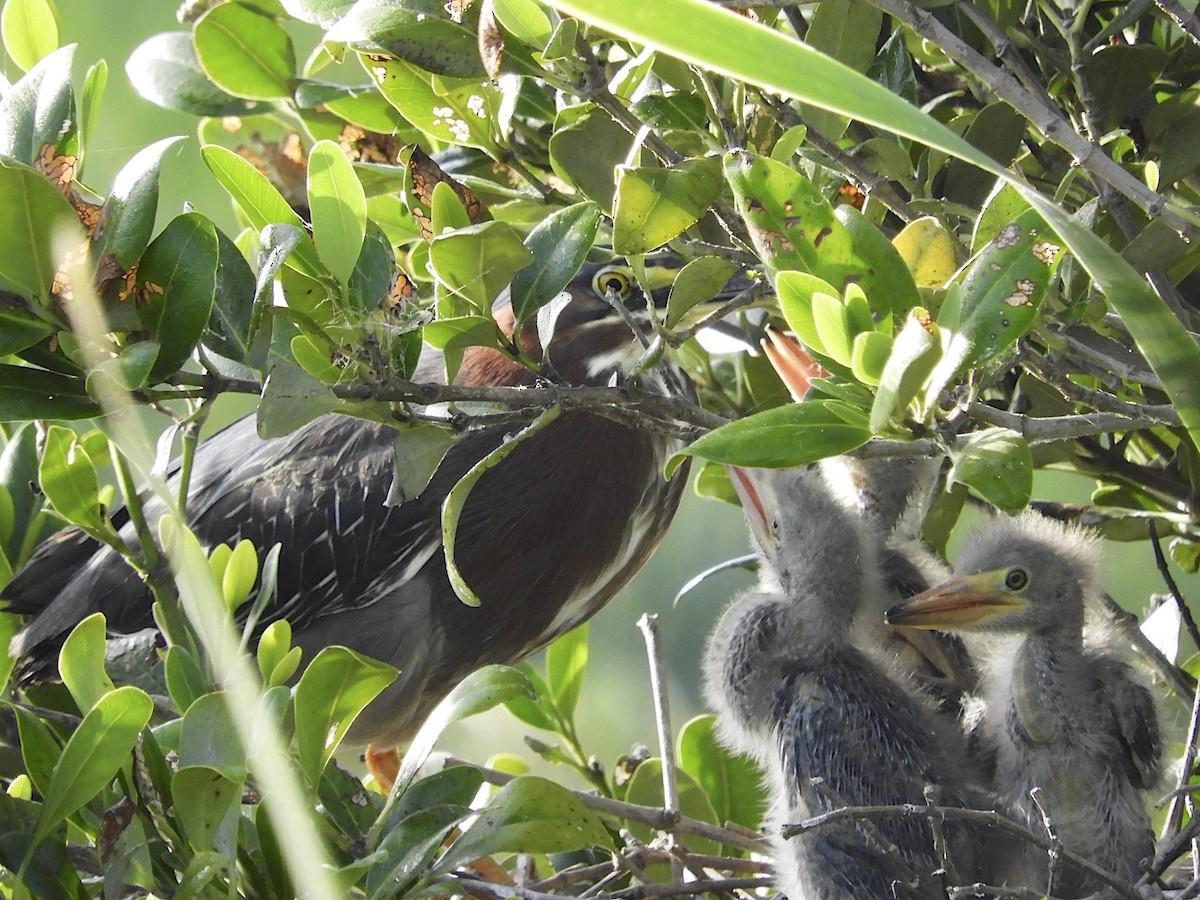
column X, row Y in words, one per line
column 546, row 538
column 1067, row 719
column 827, row 724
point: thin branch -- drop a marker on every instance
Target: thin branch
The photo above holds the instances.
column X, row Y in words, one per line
column 648, row 624
column 1186, row 21
column 988, row 818
column 1059, row 428
column 1102, row 401
column 1189, row 622
column 658, row 819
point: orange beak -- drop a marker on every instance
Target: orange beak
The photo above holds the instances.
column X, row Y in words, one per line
column 961, row 603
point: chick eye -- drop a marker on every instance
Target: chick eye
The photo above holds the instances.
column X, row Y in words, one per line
column 1016, row 579
column 611, row 280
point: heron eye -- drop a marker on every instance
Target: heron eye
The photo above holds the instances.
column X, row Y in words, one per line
column 1016, row 579
column 611, row 280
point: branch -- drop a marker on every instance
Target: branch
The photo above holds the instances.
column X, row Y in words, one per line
column 1059, row 428
column 988, row 818
column 648, row 624
column 658, row 819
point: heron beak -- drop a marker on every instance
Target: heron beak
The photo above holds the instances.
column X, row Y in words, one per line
column 753, row 489
column 963, row 602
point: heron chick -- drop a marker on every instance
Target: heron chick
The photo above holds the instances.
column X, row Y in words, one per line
column 1067, row 719
column 827, row 725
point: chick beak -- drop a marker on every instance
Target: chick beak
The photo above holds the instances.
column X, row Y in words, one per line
column 959, row 603
column 753, row 489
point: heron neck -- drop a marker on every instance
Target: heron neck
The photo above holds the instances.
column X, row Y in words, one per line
column 1048, row 674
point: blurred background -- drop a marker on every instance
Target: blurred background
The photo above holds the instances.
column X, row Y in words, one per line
column 615, row 709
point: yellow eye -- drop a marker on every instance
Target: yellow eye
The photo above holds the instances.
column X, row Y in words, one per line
column 611, row 279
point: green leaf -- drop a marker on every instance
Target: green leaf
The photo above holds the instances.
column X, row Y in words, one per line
column 261, row 203
column 19, row 329
column 869, row 356
column 646, row 789
column 885, row 278
column 480, row 691
column 229, row 326
column 478, row 262
column 559, row 244
column 339, row 209
column 278, row 660
column 428, row 41
column 94, row 83
column 178, row 276
column 847, row 31
column 525, row 20
column 333, row 690
column 915, row 352
column 528, row 815
column 92, row 756
column 210, row 796
column 185, row 680
column 997, row 465
column 30, row 30
column 453, row 110
column 462, row 331
column 789, row 435
column 697, row 282
column 833, row 327
column 1002, row 206
column 240, row 575
column 655, row 205
column 39, row 109
column 791, row 224
column 586, row 147
column 40, row 750
column 417, row 452
column 245, row 52
column 732, row 783
column 37, row 226
column 127, row 217
column 164, row 69
column 291, row 398
column 27, row 393
column 209, row 738
column 67, row 478
column 81, row 662
column 566, row 664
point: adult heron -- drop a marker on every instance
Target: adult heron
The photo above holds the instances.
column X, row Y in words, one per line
column 545, row 539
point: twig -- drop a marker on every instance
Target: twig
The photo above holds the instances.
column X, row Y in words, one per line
column 1189, row 622
column 988, row 818
column 1186, row 21
column 1127, row 625
column 1179, row 799
column 1170, row 849
column 648, row 624
column 1058, row 428
column 658, row 819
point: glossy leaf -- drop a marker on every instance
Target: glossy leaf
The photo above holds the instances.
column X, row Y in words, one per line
column 847, row 31
column 732, row 783
column 38, row 223
column 478, row 262
column 559, row 244
column 339, row 209
column 454, row 110
column 261, row 203
column 67, row 477
column 480, row 691
column 333, row 690
column 566, row 665
column 27, row 393
column 209, row 738
column 417, row 453
column 915, row 352
column 791, row 224
column 655, row 205
column 40, row 750
column 92, row 756
column 646, row 789
column 245, row 52
column 789, row 435
column 178, row 277
column 291, row 398
column 885, row 279
column 39, row 109
column 428, row 41
column 210, row 796
column 585, row 149
column 796, row 291
column 127, row 217
column 997, row 465
column 81, row 662
column 528, row 815
column 185, row 680
column 928, row 250
column 697, row 282
column 20, row 329
column 30, row 30
column 1003, row 206
column 164, row 69
column 229, row 330
column 240, row 574
column 869, row 356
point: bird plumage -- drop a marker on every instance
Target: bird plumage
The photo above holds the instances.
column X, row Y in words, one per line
column 545, row 539
column 793, row 691
column 1066, row 718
